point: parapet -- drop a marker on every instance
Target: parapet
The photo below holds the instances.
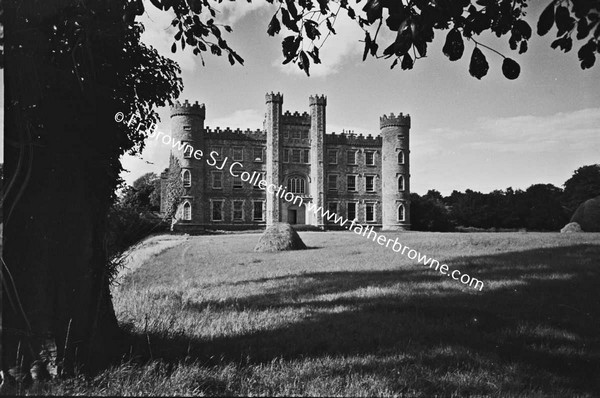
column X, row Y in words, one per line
column 317, row 100
column 353, row 139
column 295, row 118
column 179, row 109
column 270, row 97
column 237, row 134
column 392, row 120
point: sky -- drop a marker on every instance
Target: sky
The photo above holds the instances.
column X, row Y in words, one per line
column 466, row 133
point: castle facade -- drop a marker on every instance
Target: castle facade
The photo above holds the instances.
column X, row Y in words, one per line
column 358, row 177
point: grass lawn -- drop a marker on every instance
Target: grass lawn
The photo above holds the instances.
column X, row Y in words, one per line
column 349, row 317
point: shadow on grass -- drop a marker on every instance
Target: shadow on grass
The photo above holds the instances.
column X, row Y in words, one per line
column 537, row 319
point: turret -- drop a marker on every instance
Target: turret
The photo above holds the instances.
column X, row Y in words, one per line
column 395, row 172
column 317, row 104
column 187, row 126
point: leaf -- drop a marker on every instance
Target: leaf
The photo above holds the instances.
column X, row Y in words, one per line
column 367, row 45
column 231, row 59
column 510, row 68
column 523, row 47
column 374, row 10
column 174, row 48
column 523, row 28
column 201, row 46
column 565, row 44
column 564, row 21
column 304, row 62
column 583, row 29
column 546, row 20
column 454, row 45
column 274, row 26
column 292, row 9
column 330, row 26
column 586, row 54
column 285, row 18
column 394, row 63
column 478, row 67
column 312, row 32
column 407, row 62
column 157, row 4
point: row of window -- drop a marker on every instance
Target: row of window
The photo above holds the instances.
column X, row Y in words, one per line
column 370, row 214
column 237, row 153
column 352, row 186
column 296, row 184
column 237, row 210
column 258, row 206
column 352, row 159
column 294, row 155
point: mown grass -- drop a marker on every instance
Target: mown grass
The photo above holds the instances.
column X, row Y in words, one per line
column 351, row 318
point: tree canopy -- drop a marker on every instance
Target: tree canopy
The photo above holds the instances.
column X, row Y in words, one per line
column 414, row 24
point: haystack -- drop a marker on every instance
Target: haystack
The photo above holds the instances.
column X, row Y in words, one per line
column 587, row 215
column 279, row 237
column 571, row 227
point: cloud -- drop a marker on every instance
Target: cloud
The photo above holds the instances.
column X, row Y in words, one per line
column 337, row 49
column 231, row 12
column 242, row 119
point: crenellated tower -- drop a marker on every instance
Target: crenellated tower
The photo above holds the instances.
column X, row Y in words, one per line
column 187, row 126
column 273, row 148
column 395, row 172
column 317, row 106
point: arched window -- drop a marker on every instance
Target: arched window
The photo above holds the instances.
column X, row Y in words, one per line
column 401, row 212
column 401, row 183
column 401, row 157
column 187, row 211
column 296, row 185
column 186, row 178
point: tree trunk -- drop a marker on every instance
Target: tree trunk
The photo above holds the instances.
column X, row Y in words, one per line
column 61, row 170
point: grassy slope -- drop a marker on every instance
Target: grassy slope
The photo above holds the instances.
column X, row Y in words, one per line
column 350, row 317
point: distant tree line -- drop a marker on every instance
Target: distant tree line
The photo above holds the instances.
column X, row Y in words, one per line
column 541, row 207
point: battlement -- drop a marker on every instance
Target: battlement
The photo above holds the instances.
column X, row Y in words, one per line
column 270, row 97
column 317, row 99
column 392, row 120
column 295, row 118
column 196, row 109
column 237, row 134
column 353, row 139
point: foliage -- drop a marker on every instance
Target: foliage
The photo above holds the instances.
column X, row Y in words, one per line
column 142, row 194
column 175, row 189
column 583, row 185
column 429, row 213
column 414, row 24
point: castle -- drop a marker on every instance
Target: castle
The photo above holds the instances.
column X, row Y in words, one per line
column 362, row 178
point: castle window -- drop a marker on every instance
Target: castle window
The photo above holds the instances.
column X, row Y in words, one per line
column 296, row 185
column 401, row 157
column 217, row 180
column 219, row 152
column 238, row 210
column 332, row 156
column 351, row 210
column 188, row 150
column 332, row 207
column 238, row 153
column 258, row 154
column 370, row 158
column 186, row 178
column 187, row 128
column 296, row 134
column 187, row 211
column 401, row 183
column 401, row 212
column 332, row 182
column 351, row 183
column 305, row 134
column 216, row 210
column 286, row 155
column 256, row 185
column 306, row 156
column 351, row 157
column 370, row 183
column 370, row 212
column 296, row 155
column 237, row 182
column 257, row 210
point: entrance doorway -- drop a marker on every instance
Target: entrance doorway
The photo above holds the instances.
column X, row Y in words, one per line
column 292, row 216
